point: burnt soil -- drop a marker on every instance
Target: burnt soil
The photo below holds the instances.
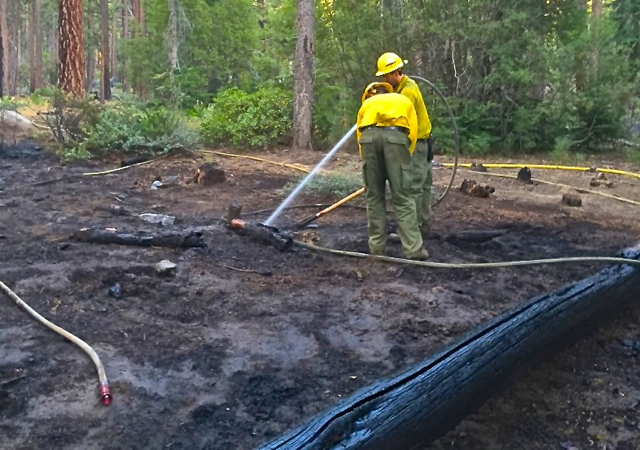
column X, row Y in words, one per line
column 219, row 357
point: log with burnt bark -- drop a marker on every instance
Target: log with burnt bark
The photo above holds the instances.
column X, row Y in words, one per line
column 184, row 239
column 422, row 404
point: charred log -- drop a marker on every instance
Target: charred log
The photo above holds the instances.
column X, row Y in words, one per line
column 165, row 239
column 422, row 404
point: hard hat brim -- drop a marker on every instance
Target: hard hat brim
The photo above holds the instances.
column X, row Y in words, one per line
column 384, row 72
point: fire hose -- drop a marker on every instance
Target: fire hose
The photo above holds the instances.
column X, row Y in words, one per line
column 105, row 391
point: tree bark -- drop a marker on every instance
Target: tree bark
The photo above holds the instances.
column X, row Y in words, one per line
column 105, row 89
column 303, row 75
column 126, row 12
column 4, row 48
column 71, row 70
column 37, row 25
column 90, row 52
column 14, row 32
column 596, row 8
column 173, row 35
column 421, row 404
column 31, row 43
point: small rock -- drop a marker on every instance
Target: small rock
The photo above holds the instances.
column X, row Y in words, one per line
column 569, row 446
column 165, row 268
column 162, row 219
column 572, row 200
column 156, row 185
column 116, row 291
column 118, row 210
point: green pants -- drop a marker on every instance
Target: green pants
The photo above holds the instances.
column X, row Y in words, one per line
column 386, row 156
column 421, row 191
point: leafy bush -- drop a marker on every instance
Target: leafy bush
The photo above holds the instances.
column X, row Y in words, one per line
column 242, row 119
column 131, row 124
column 340, row 182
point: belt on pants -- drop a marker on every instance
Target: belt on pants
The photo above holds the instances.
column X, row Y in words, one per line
column 401, row 129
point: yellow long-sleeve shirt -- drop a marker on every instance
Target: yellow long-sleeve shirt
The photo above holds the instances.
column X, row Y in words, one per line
column 389, row 110
column 411, row 90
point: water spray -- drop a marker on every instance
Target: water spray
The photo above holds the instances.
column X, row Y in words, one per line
column 305, row 181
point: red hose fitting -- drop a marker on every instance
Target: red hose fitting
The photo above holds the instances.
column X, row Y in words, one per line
column 105, row 395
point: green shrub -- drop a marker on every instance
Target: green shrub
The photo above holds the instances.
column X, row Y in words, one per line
column 241, row 119
column 340, row 182
column 131, row 124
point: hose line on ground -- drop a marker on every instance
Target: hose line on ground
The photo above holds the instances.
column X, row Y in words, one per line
column 547, row 167
column 105, row 391
column 437, row 265
column 551, row 183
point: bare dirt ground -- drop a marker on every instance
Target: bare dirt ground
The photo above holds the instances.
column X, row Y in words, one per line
column 217, row 358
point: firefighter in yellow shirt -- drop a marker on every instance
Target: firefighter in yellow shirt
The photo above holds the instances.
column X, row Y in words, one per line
column 390, row 69
column 387, row 130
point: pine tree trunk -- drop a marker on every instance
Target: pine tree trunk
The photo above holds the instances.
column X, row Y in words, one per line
column 53, row 49
column 90, row 53
column 37, row 25
column 114, row 46
column 4, row 46
column 126, row 11
column 31, row 49
column 15, row 20
column 303, row 75
column 596, row 8
column 71, row 71
column 138, row 14
column 105, row 90
column 173, row 35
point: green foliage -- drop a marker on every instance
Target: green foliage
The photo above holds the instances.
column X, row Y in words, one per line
column 241, row 119
column 340, row 183
column 131, row 124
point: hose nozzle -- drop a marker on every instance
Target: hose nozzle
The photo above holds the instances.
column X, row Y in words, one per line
column 105, row 395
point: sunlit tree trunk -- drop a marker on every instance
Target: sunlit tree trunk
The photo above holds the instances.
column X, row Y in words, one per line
column 71, row 69
column 303, row 75
column 173, row 35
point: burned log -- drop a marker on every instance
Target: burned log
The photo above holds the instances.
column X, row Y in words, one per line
column 164, row 239
column 262, row 234
column 420, row 405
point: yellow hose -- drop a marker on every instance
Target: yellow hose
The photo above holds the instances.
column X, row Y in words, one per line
column 548, row 167
column 591, row 191
column 105, row 392
column 253, row 158
column 437, row 265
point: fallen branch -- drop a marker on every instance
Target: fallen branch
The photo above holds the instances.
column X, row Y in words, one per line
column 165, row 239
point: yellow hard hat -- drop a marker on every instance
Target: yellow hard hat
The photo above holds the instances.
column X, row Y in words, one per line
column 370, row 90
column 389, row 62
